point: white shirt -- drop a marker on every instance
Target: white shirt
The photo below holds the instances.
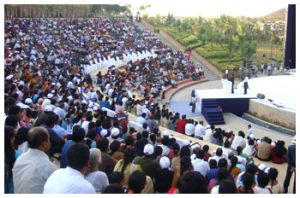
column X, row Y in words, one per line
column 199, row 130
column 189, row 129
column 215, row 190
column 146, row 111
column 85, row 125
column 139, row 109
column 250, row 131
column 110, row 91
column 98, row 179
column 23, row 147
column 68, row 181
column 207, row 136
column 217, row 158
column 140, row 120
column 238, row 141
column 31, row 170
column 259, row 190
column 249, row 150
column 201, row 166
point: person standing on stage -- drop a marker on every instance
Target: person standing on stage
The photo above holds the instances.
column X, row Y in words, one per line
column 246, row 86
column 231, row 79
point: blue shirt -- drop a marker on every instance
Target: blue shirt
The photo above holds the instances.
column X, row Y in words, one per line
column 63, row 157
column 60, row 131
column 212, row 174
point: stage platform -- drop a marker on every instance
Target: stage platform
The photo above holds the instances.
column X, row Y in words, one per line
column 214, row 102
column 220, row 94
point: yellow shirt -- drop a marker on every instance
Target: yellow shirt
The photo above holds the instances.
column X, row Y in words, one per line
column 130, row 168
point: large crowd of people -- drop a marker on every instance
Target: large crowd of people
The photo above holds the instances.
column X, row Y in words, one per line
column 56, row 112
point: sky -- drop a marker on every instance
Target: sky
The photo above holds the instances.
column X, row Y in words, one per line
column 205, row 8
column 214, row 8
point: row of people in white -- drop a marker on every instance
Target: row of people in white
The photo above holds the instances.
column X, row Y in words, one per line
column 110, row 61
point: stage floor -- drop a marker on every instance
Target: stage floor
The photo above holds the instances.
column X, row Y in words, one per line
column 281, row 89
column 220, row 93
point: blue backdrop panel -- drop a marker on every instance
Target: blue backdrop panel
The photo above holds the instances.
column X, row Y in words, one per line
column 237, row 106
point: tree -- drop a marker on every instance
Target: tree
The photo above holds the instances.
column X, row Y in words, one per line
column 170, row 20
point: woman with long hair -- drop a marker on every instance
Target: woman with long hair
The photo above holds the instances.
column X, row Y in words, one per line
column 126, row 165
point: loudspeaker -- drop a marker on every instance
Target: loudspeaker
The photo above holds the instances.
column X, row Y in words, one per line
column 260, row 96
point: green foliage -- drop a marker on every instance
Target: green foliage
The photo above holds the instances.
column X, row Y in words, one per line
column 194, row 45
column 190, row 40
column 226, row 41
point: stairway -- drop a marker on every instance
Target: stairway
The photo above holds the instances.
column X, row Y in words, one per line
column 212, row 112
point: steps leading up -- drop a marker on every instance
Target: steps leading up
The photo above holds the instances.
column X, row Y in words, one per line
column 212, row 112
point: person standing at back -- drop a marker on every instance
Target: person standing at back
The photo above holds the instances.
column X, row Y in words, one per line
column 32, row 168
column 193, row 101
column 291, row 168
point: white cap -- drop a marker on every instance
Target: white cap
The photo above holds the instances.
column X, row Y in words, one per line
column 164, row 162
column 267, row 170
column 103, row 132
column 21, row 82
column 50, row 96
column 195, row 146
column 148, row 149
column 252, row 136
column 28, row 101
column 186, row 142
column 115, row 132
column 48, row 108
column 23, row 106
column 9, row 77
column 207, row 126
column 53, row 91
column 95, row 108
column 262, row 167
column 166, row 133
